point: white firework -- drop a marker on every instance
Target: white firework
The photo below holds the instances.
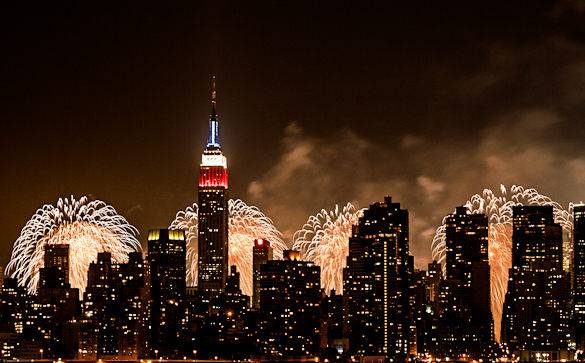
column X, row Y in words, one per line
column 324, row 240
column 88, row 227
column 246, row 223
column 498, row 209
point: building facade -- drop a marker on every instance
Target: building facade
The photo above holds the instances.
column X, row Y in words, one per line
column 466, row 324
column 261, row 253
column 114, row 309
column 535, row 318
column 376, row 283
column 578, row 275
column 290, row 314
column 167, row 270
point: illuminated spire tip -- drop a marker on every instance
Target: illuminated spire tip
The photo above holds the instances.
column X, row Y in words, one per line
column 213, row 139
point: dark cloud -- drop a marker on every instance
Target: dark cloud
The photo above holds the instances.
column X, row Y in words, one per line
column 534, row 140
column 320, row 103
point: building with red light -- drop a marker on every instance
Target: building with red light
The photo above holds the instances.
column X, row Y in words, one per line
column 213, row 211
column 261, row 253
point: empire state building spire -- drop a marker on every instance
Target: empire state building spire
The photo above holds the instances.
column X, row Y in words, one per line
column 213, row 139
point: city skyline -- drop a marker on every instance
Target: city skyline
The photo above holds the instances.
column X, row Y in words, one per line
column 405, row 182
column 432, row 109
column 131, row 303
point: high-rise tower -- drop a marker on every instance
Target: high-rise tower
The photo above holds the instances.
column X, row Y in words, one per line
column 376, row 282
column 535, row 318
column 213, row 210
column 466, row 323
column 579, row 274
column 261, row 253
column 290, row 307
column 166, row 262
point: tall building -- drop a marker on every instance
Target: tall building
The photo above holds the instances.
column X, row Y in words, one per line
column 227, row 333
column 535, row 318
column 100, row 305
column 213, row 211
column 376, row 282
column 425, row 288
column 58, row 299
column 417, row 310
column 167, row 269
column 579, row 275
column 17, row 328
column 114, row 308
column 261, row 253
column 130, row 281
column 466, row 326
column 290, row 314
column 333, row 310
column 55, row 272
column 1, row 277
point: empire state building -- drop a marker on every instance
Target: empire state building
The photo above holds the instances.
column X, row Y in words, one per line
column 213, row 210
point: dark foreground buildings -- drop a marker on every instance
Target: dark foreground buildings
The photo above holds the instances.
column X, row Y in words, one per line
column 389, row 311
column 376, row 283
column 535, row 320
column 578, row 282
column 113, row 324
column 465, row 326
column 289, row 322
column 166, row 262
column 261, row 253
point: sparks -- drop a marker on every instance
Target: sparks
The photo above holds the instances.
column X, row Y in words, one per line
column 324, row 240
column 246, row 223
column 498, row 209
column 88, row 227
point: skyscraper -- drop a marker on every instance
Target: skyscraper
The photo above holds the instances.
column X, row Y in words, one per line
column 55, row 272
column 166, row 261
column 290, row 312
column 261, row 252
column 114, row 308
column 579, row 275
column 213, row 211
column 56, row 293
column 376, row 282
column 466, row 324
column 535, row 319
column 226, row 322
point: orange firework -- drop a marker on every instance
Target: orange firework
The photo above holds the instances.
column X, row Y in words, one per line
column 498, row 209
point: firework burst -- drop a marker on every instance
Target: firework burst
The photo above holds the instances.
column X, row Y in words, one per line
column 324, row 240
column 246, row 223
column 498, row 209
column 88, row 227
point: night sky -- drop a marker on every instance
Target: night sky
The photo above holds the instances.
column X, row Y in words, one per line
column 320, row 103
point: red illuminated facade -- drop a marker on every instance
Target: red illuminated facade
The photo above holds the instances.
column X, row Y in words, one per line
column 213, row 176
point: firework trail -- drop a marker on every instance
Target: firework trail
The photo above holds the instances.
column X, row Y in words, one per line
column 246, row 223
column 324, row 240
column 87, row 226
column 498, row 209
